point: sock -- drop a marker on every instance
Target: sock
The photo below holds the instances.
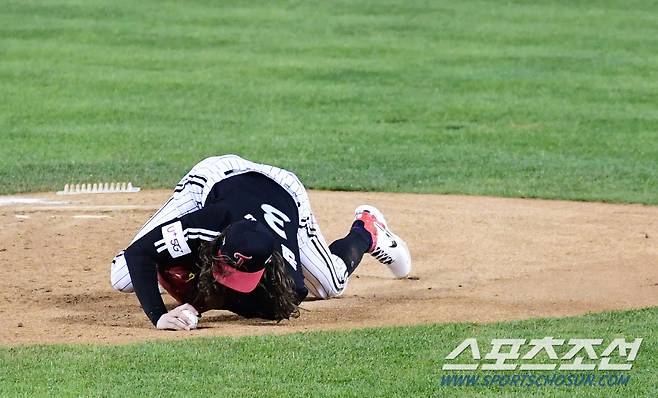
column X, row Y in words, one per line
column 353, row 246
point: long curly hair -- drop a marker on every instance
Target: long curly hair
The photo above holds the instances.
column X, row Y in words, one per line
column 274, row 298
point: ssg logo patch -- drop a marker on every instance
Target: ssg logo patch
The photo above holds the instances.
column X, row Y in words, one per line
column 175, row 240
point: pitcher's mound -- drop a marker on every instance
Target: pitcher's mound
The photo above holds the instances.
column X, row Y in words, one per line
column 475, row 259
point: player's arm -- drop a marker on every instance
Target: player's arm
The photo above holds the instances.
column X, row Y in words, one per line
column 168, row 244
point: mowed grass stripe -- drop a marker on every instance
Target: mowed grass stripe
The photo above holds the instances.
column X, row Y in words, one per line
column 516, row 99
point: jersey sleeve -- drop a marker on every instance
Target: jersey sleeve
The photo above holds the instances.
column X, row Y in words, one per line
column 176, row 241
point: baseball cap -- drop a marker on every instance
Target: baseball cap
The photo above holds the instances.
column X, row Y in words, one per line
column 249, row 245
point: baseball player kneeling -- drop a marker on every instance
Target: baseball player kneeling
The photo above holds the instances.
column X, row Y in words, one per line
column 241, row 236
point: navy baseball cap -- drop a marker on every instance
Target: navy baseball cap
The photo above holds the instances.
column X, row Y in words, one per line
column 249, row 245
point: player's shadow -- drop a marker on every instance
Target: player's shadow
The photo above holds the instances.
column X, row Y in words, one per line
column 313, row 298
column 217, row 318
column 221, row 317
column 123, row 310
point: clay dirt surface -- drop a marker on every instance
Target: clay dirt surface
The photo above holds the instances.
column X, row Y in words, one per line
column 475, row 259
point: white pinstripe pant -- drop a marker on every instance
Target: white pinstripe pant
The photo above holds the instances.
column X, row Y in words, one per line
column 325, row 274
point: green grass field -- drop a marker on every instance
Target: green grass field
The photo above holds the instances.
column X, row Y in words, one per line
column 554, row 100
column 404, row 361
column 508, row 98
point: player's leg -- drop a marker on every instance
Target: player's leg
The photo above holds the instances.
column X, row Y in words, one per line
column 327, row 268
column 353, row 246
column 119, row 275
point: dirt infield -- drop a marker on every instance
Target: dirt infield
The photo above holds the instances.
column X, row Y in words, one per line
column 475, row 259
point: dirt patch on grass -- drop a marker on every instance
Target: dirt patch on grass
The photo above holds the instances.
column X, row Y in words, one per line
column 475, row 259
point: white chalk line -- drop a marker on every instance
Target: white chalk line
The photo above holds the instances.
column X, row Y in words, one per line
column 28, row 207
column 16, row 200
column 78, row 216
column 31, row 205
column 35, row 209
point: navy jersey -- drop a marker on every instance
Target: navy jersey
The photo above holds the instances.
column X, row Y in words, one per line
column 177, row 242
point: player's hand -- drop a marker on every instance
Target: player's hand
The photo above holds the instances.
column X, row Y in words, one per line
column 176, row 320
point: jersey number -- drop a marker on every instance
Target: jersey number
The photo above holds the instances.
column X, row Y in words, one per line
column 276, row 219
